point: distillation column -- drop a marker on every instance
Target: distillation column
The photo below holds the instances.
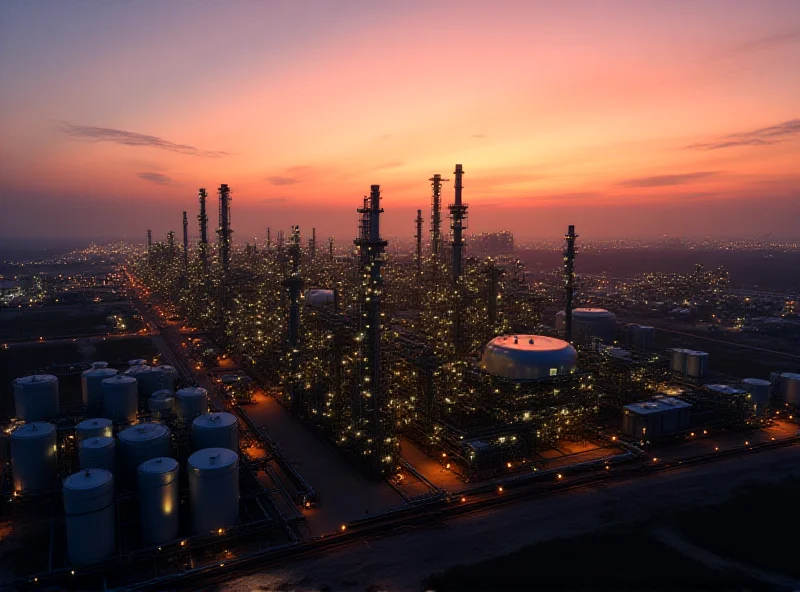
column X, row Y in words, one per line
column 295, row 285
column 569, row 280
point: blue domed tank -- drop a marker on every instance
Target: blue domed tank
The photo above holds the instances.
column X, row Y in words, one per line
column 528, row 357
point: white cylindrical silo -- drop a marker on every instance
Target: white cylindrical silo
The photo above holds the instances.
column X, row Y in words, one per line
column 33, row 456
column 90, row 428
column 140, row 443
column 790, row 388
column 89, row 509
column 759, row 391
column 120, row 399
column 158, row 500
column 213, row 489
column 696, row 364
column 191, row 402
column 144, row 376
column 97, row 453
column 215, row 430
column 161, row 404
column 36, row 397
column 91, row 384
column 678, row 358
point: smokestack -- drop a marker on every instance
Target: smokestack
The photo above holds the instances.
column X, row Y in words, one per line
column 149, row 240
column 458, row 215
column 269, row 240
column 330, row 248
column 418, row 236
column 225, row 226
column 312, row 244
column 203, row 219
column 185, row 241
column 569, row 280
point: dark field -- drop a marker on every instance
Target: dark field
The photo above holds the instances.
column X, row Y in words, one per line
column 756, row 527
column 25, row 324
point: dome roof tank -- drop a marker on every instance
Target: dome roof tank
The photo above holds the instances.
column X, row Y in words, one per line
column 528, row 357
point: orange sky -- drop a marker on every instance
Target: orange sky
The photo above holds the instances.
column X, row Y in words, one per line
column 625, row 118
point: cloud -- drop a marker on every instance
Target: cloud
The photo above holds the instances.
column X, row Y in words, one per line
column 126, row 138
column 157, row 178
column 666, row 180
column 478, row 136
column 277, row 180
column 766, row 42
column 273, row 200
column 759, row 137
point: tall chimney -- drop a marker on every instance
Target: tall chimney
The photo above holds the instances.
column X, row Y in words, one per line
column 203, row 219
column 418, row 236
column 569, row 280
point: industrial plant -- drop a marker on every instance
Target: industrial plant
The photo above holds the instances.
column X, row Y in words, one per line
column 448, row 356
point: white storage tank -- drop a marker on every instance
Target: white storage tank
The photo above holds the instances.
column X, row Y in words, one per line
column 97, row 453
column 161, row 404
column 158, row 500
column 215, row 430
column 120, row 401
column 137, row 362
column 90, row 428
column 213, row 489
column 153, row 379
column 144, row 377
column 677, row 360
column 588, row 323
column 790, row 388
column 36, row 397
column 696, row 364
column 528, row 357
column 99, row 364
column 33, row 456
column 91, row 384
column 140, row 443
column 89, row 508
column 191, row 402
column 759, row 391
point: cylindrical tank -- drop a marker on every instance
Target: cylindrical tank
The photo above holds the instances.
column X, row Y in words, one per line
column 97, row 453
column 161, row 404
column 588, row 323
column 790, row 388
column 137, row 362
column 33, row 456
column 140, row 443
column 191, row 402
column 91, row 384
column 759, row 391
column 317, row 297
column 677, row 360
column 696, row 364
column 215, row 430
column 89, row 509
column 99, row 364
column 120, row 401
column 143, row 375
column 158, row 500
column 90, row 428
column 153, row 379
column 36, row 397
column 528, row 357
column 213, row 489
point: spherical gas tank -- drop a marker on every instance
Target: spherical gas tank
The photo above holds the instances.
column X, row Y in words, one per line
column 89, row 428
column 36, row 397
column 89, row 509
column 158, row 500
column 97, row 453
column 213, row 489
column 33, row 456
column 91, row 385
column 120, row 401
column 215, row 430
column 191, row 402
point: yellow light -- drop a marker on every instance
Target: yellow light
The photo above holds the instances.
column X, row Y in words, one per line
column 463, row 499
column 500, row 489
column 343, row 527
column 560, row 476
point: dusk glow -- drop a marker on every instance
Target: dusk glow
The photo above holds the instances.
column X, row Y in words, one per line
column 624, row 118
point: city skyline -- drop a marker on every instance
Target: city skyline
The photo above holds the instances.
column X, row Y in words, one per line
column 626, row 119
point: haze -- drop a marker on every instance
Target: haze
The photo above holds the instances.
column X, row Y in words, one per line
column 627, row 119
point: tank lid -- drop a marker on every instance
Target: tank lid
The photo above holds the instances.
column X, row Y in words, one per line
column 99, row 364
column 119, row 379
column 162, row 394
column 756, row 381
column 98, row 442
column 88, row 479
column 97, row 422
column 143, row 432
column 790, row 375
column 592, row 311
column 137, row 362
column 215, row 420
column 529, row 343
column 138, row 369
column 35, row 379
column 213, row 458
column 159, row 465
column 36, row 429
column 100, row 372
column 192, row 391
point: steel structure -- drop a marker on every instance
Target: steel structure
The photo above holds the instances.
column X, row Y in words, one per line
column 569, row 280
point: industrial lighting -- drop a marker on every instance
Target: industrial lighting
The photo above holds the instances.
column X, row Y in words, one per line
column 463, row 499
column 508, row 465
column 343, row 527
column 559, row 476
column 500, row 489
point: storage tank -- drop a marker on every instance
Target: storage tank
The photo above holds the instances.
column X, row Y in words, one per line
column 143, row 375
column 36, row 397
column 99, row 364
column 790, row 388
column 213, row 489
column 215, row 430
column 91, row 384
column 97, row 453
column 161, row 404
column 677, row 360
column 89, row 508
column 158, row 500
column 89, row 428
column 120, row 401
column 317, row 297
column 588, row 323
column 154, row 378
column 33, row 456
column 696, row 364
column 759, row 392
column 191, row 402
column 140, row 443
column 528, row 357
column 640, row 337
column 137, row 362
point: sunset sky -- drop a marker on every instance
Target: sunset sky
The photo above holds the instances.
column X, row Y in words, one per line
column 627, row 119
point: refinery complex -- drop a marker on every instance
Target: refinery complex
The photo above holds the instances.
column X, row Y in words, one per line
column 304, row 394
